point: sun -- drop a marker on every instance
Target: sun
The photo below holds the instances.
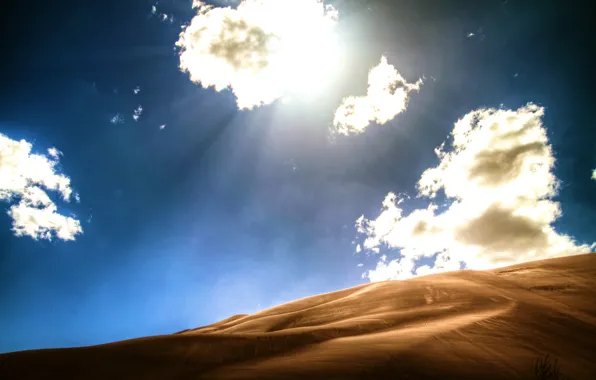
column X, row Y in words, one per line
column 263, row 50
column 306, row 52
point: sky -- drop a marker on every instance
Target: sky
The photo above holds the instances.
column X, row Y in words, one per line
column 164, row 165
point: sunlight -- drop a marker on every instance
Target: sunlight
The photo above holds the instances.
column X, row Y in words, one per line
column 262, row 50
column 306, row 58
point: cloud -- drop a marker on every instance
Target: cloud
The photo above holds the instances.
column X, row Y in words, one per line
column 117, row 119
column 54, row 153
column 499, row 181
column 261, row 50
column 163, row 16
column 387, row 96
column 395, row 269
column 24, row 176
column 136, row 90
column 136, row 114
column 594, row 175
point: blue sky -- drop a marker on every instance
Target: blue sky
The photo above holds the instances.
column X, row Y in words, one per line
column 227, row 211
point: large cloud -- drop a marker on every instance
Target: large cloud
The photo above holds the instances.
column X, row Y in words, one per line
column 387, row 96
column 499, row 179
column 261, row 50
column 24, row 176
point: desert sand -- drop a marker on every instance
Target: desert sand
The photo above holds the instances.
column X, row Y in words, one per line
column 457, row 325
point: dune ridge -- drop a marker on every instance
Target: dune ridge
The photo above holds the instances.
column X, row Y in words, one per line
column 464, row 324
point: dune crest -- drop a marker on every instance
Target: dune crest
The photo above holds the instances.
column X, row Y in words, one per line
column 464, row 324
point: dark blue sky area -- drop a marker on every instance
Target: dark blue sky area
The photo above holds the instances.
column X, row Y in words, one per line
column 227, row 211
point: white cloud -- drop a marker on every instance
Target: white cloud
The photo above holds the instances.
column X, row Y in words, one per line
column 387, row 96
column 24, row 176
column 394, row 270
column 136, row 114
column 136, row 90
column 163, row 16
column 54, row 153
column 162, row 127
column 594, row 175
column 117, row 119
column 499, row 179
column 261, row 50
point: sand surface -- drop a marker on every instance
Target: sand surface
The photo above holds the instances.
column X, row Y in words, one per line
column 460, row 325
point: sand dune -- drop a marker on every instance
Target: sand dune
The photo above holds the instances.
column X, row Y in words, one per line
column 464, row 325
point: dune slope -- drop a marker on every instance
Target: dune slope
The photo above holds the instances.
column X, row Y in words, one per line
column 465, row 325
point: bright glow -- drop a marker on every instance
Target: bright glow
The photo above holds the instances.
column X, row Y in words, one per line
column 263, row 49
column 500, row 182
column 387, row 96
column 22, row 175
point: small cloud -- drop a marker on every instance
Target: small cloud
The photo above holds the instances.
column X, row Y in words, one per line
column 136, row 114
column 162, row 127
column 117, row 119
column 594, row 175
column 358, row 248
column 136, row 90
column 27, row 177
column 515, row 75
column 477, row 34
column 77, row 198
column 360, row 265
column 54, row 153
column 162, row 16
column 386, row 97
